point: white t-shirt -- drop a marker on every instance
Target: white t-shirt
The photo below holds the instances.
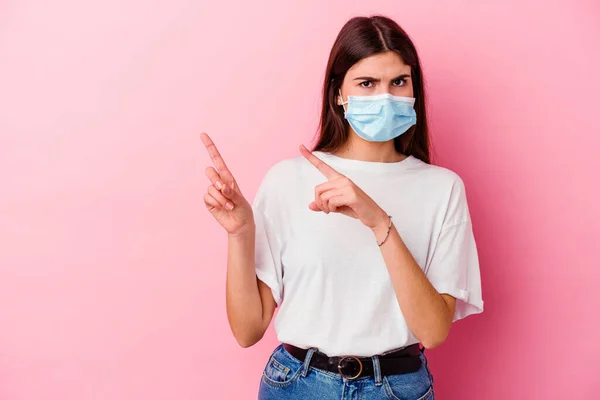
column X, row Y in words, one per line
column 326, row 272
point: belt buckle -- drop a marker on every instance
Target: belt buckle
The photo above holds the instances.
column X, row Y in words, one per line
column 339, row 366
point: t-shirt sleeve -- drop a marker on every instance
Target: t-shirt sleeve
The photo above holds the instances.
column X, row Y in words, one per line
column 454, row 265
column 267, row 244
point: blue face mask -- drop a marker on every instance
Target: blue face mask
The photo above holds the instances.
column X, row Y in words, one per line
column 381, row 117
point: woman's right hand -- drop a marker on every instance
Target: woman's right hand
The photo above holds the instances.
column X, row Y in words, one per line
column 224, row 199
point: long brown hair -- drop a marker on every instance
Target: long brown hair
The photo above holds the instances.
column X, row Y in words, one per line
column 359, row 38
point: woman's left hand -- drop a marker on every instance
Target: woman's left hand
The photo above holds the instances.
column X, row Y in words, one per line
column 340, row 194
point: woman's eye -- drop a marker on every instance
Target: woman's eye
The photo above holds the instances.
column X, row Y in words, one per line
column 366, row 84
column 399, row 82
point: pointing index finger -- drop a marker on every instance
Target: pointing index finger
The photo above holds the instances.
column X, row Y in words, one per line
column 217, row 159
column 325, row 169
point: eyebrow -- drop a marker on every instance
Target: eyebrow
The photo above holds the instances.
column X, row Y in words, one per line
column 369, row 78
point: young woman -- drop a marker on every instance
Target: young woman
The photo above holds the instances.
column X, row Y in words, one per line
column 366, row 248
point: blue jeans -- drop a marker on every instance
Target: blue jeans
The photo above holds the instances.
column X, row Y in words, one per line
column 285, row 377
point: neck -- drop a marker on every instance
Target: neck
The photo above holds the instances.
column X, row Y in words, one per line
column 357, row 148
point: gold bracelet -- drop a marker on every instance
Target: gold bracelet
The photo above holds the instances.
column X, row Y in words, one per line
column 388, row 232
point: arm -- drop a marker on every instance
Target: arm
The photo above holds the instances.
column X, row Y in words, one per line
column 428, row 313
column 250, row 303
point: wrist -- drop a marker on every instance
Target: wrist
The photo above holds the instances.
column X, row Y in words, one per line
column 243, row 232
column 381, row 222
column 381, row 232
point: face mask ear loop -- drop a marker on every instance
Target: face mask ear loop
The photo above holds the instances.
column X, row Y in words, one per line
column 342, row 98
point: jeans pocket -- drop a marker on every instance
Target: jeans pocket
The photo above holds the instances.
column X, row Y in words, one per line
column 410, row 386
column 395, row 391
column 281, row 369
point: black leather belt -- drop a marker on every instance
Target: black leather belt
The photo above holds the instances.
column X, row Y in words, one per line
column 401, row 361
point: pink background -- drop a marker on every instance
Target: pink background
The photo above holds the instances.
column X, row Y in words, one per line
column 112, row 273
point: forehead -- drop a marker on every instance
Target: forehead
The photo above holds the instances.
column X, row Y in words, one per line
column 388, row 64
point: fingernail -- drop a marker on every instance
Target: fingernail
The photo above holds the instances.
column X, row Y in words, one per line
column 229, row 206
column 218, row 184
